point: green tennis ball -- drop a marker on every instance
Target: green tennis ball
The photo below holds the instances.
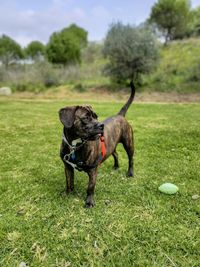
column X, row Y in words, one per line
column 168, row 188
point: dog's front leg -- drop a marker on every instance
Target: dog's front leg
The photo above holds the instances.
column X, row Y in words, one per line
column 69, row 173
column 91, row 186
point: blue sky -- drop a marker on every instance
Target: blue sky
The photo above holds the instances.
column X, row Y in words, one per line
column 27, row 20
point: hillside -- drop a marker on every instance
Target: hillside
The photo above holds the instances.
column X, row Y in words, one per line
column 178, row 69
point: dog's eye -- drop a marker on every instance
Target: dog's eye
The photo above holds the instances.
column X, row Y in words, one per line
column 88, row 116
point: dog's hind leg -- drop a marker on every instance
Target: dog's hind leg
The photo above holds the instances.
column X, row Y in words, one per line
column 116, row 162
column 128, row 144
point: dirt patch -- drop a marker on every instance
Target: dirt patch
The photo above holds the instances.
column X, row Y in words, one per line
column 105, row 95
column 168, row 97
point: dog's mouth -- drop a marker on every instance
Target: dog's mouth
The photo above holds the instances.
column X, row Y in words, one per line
column 94, row 137
column 97, row 133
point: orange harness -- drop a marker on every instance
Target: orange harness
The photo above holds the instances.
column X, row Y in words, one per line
column 103, row 148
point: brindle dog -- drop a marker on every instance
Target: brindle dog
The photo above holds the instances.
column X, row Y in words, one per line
column 81, row 146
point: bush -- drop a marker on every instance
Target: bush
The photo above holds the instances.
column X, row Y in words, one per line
column 28, row 87
column 194, row 73
column 37, row 77
column 79, row 87
column 48, row 75
column 131, row 51
column 92, row 52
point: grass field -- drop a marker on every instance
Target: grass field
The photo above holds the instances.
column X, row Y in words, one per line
column 132, row 224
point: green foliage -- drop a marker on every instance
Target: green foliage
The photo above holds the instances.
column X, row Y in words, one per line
column 178, row 69
column 92, row 52
column 10, row 51
column 132, row 224
column 79, row 33
column 35, row 50
column 79, row 87
column 193, row 74
column 38, row 77
column 194, row 26
column 131, row 51
column 171, row 17
column 64, row 47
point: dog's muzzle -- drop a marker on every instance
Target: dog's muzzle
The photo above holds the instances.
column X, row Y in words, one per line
column 97, row 131
column 101, row 127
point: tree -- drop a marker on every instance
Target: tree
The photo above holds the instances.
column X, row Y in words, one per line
column 35, row 50
column 194, row 28
column 171, row 18
column 10, row 51
column 79, row 33
column 131, row 51
column 64, row 47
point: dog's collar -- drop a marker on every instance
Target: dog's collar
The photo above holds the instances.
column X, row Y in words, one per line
column 73, row 146
column 74, row 142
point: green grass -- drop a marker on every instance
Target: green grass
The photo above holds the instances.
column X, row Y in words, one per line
column 139, row 227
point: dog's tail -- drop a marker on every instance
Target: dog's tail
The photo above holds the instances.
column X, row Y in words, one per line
column 130, row 100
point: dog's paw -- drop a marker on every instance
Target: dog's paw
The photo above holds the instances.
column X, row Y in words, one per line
column 115, row 168
column 63, row 193
column 130, row 174
column 66, row 193
column 89, row 203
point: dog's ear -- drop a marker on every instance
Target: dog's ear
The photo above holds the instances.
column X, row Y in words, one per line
column 94, row 115
column 67, row 116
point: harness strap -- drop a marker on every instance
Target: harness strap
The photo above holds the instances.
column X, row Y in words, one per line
column 81, row 166
column 103, row 148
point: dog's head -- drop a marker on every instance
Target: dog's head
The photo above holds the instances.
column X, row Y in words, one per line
column 82, row 121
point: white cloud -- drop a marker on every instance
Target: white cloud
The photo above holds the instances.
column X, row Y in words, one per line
column 27, row 25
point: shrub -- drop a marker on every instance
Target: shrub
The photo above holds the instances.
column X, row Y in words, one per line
column 92, row 52
column 80, row 88
column 194, row 73
column 38, row 76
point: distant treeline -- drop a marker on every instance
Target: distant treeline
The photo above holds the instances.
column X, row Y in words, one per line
column 129, row 51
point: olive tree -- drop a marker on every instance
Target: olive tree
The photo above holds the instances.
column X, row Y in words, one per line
column 130, row 51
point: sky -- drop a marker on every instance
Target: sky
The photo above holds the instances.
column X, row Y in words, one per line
column 28, row 20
